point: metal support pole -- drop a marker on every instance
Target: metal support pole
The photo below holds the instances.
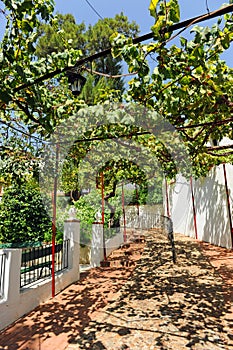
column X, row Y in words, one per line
column 54, row 203
column 194, row 209
column 137, row 199
column 228, row 203
column 123, row 210
column 167, row 199
column 102, row 194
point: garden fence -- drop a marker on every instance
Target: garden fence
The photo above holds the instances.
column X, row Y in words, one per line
column 36, row 262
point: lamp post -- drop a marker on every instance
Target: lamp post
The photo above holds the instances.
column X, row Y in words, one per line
column 76, row 81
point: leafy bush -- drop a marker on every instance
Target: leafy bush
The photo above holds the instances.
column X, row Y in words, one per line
column 87, row 207
column 23, row 215
column 62, row 215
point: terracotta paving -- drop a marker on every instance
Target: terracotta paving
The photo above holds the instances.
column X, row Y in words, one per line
column 155, row 305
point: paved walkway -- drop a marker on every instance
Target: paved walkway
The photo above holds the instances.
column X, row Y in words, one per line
column 159, row 305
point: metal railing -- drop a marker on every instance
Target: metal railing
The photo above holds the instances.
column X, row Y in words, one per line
column 36, row 262
column 2, row 274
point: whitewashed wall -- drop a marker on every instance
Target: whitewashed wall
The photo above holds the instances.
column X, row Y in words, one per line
column 143, row 217
column 16, row 302
column 114, row 242
column 97, row 250
column 212, row 216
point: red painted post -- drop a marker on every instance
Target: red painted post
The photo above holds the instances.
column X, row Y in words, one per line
column 54, row 202
column 123, row 210
column 137, row 199
column 102, row 194
column 228, row 203
column 194, row 209
column 167, row 199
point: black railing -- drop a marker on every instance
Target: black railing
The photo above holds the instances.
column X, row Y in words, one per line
column 2, row 274
column 36, row 262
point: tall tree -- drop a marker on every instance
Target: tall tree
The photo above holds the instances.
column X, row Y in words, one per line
column 67, row 33
column 56, row 38
column 98, row 39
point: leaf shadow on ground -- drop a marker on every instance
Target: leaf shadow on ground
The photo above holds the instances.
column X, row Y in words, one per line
column 71, row 310
column 186, row 301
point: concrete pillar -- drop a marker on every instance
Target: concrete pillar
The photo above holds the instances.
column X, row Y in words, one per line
column 97, row 246
column 11, row 295
column 72, row 232
column 12, row 275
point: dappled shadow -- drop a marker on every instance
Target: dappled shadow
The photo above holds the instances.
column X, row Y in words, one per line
column 180, row 304
column 161, row 304
column 212, row 211
column 72, row 310
column 222, row 259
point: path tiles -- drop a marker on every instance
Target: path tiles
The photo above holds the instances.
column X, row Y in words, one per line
column 164, row 305
column 157, row 305
column 57, row 322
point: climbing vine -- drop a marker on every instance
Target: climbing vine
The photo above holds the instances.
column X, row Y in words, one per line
column 190, row 85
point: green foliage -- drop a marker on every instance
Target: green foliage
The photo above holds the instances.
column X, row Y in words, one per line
column 98, row 39
column 18, row 161
column 23, row 215
column 87, row 208
column 189, row 85
column 166, row 13
column 38, row 106
column 64, row 34
column 98, row 91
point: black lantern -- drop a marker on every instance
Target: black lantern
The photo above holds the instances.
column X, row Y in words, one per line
column 76, row 82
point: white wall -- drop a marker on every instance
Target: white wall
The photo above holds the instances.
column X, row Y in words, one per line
column 213, row 224
column 97, row 245
column 97, row 251
column 180, row 206
column 143, row 217
column 17, row 302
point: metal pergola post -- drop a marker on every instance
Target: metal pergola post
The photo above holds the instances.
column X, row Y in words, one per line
column 54, row 202
column 102, row 195
column 123, row 210
column 167, row 199
column 194, row 208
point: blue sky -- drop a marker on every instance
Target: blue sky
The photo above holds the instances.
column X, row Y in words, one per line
column 137, row 10
column 134, row 9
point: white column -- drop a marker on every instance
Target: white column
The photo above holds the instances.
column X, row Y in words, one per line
column 12, row 274
column 11, row 299
column 97, row 246
column 72, row 232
